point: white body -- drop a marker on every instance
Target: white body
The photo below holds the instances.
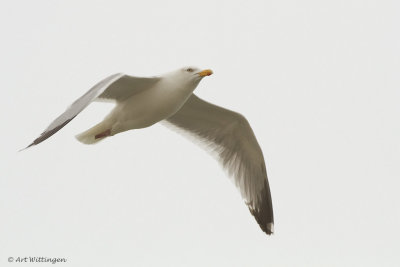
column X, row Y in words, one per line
column 145, row 108
column 150, row 106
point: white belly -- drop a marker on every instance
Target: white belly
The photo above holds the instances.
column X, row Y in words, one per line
column 147, row 108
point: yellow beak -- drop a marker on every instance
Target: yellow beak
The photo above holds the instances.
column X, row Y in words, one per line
column 205, row 73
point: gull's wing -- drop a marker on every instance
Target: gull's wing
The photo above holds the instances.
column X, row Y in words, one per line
column 116, row 87
column 229, row 135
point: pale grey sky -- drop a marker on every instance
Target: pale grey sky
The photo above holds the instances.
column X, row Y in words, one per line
column 317, row 80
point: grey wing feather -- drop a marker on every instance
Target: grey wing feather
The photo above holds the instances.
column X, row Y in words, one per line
column 235, row 144
column 115, row 87
column 126, row 86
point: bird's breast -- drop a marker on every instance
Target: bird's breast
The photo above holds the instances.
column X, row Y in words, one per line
column 151, row 106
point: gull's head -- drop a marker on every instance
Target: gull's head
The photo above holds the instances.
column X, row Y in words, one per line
column 190, row 75
column 196, row 73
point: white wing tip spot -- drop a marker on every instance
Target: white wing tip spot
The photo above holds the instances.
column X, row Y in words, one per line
column 270, row 227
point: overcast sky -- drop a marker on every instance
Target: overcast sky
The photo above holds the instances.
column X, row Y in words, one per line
column 317, row 80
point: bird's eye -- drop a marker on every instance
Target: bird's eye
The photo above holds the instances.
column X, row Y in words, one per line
column 189, row 70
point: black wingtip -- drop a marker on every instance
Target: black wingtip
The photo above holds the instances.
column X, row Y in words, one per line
column 269, row 230
column 32, row 144
column 264, row 214
column 264, row 220
column 46, row 134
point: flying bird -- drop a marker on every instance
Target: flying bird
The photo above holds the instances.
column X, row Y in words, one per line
column 169, row 98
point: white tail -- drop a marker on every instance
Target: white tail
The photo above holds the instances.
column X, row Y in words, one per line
column 89, row 136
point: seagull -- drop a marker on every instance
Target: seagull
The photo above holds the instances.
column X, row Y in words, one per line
column 143, row 101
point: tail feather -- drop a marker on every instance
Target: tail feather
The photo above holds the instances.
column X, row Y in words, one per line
column 94, row 134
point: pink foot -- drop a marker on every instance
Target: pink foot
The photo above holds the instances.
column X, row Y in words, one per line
column 103, row 134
